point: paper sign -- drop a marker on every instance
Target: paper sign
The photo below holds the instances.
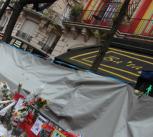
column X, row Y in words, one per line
column 36, row 128
column 4, row 110
column 3, row 131
column 57, row 133
column 18, row 104
column 6, row 101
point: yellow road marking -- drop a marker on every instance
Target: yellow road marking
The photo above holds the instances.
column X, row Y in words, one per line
column 114, row 68
column 132, row 53
column 116, row 74
column 134, row 58
column 125, row 78
column 88, row 53
column 116, row 51
column 82, row 62
column 84, row 54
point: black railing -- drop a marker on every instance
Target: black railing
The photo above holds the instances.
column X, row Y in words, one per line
column 108, row 12
column 136, row 27
column 24, row 36
column 90, row 17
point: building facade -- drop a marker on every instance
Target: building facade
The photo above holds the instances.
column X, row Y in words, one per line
column 34, row 32
column 69, row 24
column 87, row 23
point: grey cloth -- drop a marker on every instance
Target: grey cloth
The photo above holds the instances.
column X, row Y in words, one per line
column 94, row 105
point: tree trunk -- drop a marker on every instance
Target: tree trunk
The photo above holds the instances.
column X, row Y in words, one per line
column 6, row 3
column 17, row 9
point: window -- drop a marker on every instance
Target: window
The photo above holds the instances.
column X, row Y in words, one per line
column 28, row 30
column 29, row 27
column 47, row 47
column 3, row 21
column 111, row 10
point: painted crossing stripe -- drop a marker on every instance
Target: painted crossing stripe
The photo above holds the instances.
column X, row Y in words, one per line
column 118, row 63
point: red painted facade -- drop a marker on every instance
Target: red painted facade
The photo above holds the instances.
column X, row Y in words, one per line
column 139, row 20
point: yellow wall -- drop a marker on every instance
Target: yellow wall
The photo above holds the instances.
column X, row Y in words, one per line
column 143, row 23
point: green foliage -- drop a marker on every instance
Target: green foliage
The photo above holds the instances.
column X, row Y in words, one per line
column 100, row 34
column 76, row 10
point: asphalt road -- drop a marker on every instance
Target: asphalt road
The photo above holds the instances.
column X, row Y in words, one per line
column 121, row 64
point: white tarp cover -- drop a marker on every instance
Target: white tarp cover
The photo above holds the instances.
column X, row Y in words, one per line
column 94, row 105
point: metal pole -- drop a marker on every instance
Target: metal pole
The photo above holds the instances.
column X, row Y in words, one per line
column 105, row 45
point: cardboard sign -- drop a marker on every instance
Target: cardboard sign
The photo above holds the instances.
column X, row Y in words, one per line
column 4, row 110
column 18, row 104
column 36, row 128
column 3, row 131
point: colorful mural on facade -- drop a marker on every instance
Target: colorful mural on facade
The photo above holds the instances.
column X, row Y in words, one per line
column 139, row 18
column 145, row 25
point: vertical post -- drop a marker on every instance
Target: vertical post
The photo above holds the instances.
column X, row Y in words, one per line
column 105, row 45
column 17, row 9
column 19, row 87
column 5, row 5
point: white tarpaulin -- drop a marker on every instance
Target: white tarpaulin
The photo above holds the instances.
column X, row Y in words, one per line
column 94, row 105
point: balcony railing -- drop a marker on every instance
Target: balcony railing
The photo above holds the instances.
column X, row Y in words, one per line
column 103, row 17
column 89, row 18
column 24, row 36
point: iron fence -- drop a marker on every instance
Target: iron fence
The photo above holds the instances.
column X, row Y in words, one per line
column 137, row 27
column 107, row 13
